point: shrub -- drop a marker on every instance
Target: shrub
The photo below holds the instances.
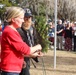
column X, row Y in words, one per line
column 42, row 32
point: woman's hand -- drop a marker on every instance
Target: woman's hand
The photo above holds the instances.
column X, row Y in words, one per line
column 38, row 47
column 35, row 48
column 37, row 54
column 35, row 51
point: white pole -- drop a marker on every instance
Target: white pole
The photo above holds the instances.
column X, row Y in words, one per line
column 55, row 34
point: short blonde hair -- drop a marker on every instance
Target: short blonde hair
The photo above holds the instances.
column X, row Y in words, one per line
column 14, row 12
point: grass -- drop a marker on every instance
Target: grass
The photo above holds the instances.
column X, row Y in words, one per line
column 65, row 64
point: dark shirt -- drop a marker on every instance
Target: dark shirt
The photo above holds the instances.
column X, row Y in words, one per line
column 25, row 34
column 68, row 32
column 59, row 27
column 29, row 38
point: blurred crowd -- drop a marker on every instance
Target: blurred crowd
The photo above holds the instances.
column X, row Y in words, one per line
column 66, row 35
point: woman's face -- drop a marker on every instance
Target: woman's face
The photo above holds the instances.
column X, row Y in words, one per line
column 18, row 21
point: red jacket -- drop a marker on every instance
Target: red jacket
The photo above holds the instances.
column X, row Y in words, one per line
column 0, row 60
column 12, row 50
column 0, row 52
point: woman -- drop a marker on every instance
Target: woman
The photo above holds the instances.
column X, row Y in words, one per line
column 13, row 49
column 68, row 37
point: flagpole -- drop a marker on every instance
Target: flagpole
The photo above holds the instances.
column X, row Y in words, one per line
column 55, row 34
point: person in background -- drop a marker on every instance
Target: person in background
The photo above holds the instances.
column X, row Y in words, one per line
column 68, row 37
column 51, row 31
column 13, row 49
column 74, row 34
column 27, row 34
column 60, row 29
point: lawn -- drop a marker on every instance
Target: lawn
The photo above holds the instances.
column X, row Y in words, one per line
column 65, row 64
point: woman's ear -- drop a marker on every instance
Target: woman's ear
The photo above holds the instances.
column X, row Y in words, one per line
column 13, row 20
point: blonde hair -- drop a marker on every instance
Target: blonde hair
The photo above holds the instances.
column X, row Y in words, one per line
column 14, row 12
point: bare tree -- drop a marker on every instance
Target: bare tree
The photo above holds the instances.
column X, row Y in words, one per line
column 66, row 8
